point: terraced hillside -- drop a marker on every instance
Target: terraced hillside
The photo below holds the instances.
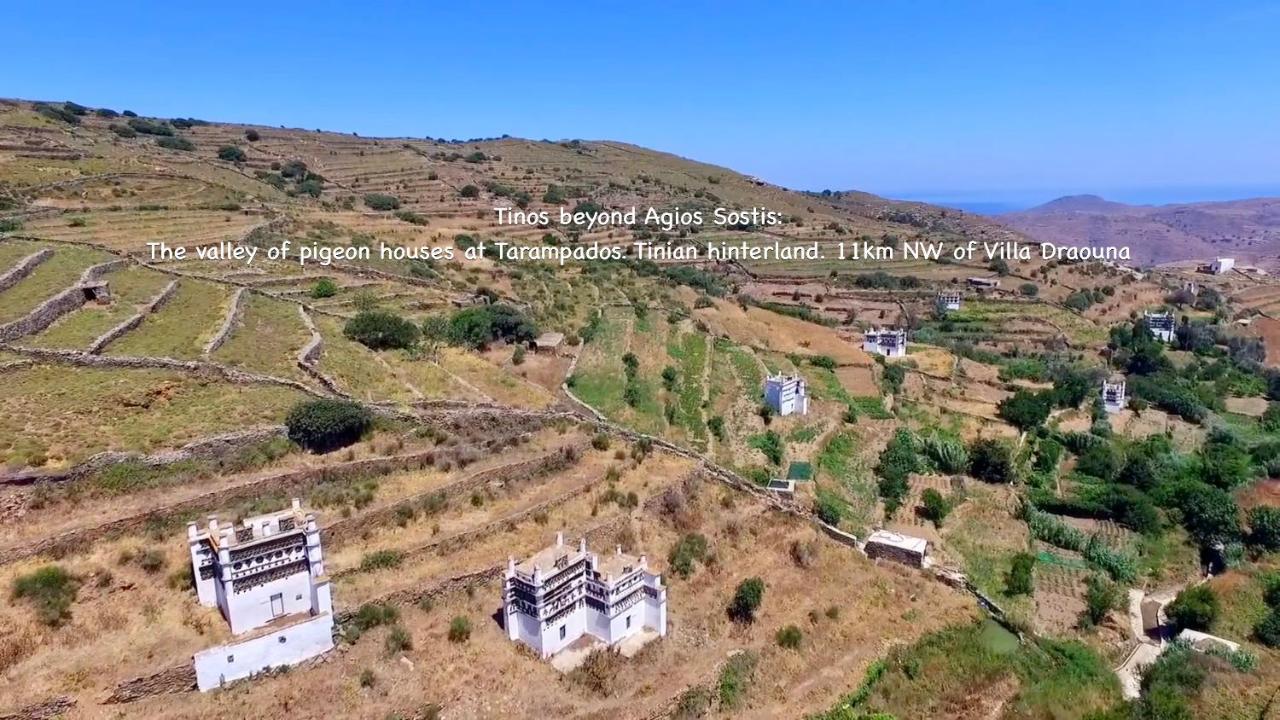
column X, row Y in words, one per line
column 138, row 393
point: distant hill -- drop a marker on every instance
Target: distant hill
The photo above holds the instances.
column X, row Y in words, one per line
column 1249, row 229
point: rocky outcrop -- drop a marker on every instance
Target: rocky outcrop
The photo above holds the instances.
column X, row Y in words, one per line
column 23, row 268
column 234, row 313
column 114, row 333
column 55, row 307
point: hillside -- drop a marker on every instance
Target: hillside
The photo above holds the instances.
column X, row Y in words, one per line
column 138, row 394
column 1248, row 229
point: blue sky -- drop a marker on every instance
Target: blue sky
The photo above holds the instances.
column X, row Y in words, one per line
column 1013, row 102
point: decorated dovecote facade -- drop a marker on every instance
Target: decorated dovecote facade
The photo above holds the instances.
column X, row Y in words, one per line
column 786, row 394
column 948, row 300
column 564, row 592
column 1160, row 325
column 266, row 576
column 888, row 342
column 1113, row 395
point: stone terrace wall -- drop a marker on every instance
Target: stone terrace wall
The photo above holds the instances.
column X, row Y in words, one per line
column 52, row 708
column 234, row 312
column 55, row 307
column 114, row 333
column 177, row 679
column 23, row 268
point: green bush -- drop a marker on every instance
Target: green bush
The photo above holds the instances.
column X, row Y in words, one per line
column 381, row 330
column 398, row 640
column 381, row 560
column 934, row 506
column 991, row 460
column 381, row 202
column 123, row 131
column 469, row 191
column 690, row 549
column 460, row 629
column 146, row 127
column 736, row 678
column 789, row 637
column 1195, row 608
column 769, row 443
column 325, row 425
column 746, row 600
column 476, row 327
column 252, row 135
column 175, row 143
column 1026, row 410
column 324, row 288
column 231, row 153
column 1021, row 574
column 50, row 590
column 1101, row 596
column 1264, row 527
column 828, row 509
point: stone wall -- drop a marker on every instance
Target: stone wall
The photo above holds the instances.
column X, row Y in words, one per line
column 23, row 268
column 343, row 530
column 114, row 333
column 177, row 679
column 229, row 322
column 52, row 708
column 55, row 307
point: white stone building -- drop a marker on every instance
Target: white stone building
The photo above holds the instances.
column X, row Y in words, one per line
column 1161, row 325
column 1223, row 265
column 906, row 549
column 949, row 300
column 1113, row 395
column 888, row 342
column 786, row 394
column 266, row 575
column 564, row 593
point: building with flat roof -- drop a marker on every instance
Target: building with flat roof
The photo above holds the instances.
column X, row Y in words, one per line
column 564, row 593
column 266, row 576
column 906, row 549
column 786, row 394
column 887, row 342
column 1222, row 265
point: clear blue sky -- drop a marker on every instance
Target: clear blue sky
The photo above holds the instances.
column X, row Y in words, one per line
column 1025, row 100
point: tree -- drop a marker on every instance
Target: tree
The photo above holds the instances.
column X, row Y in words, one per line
column 325, row 425
column 476, row 327
column 1264, row 527
column 1224, row 462
column 231, row 153
column 991, row 460
column 1101, row 597
column 669, row 378
column 1025, row 410
column 1195, row 608
column 381, row 330
column 934, row 506
column 897, row 462
column 746, row 600
column 1020, row 578
column 1210, row 514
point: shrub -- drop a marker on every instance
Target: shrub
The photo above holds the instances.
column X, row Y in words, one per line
column 469, row 191
column 935, row 507
column 828, row 509
column 381, row 202
column 1029, row 289
column 252, row 135
column 1267, row 631
column 1195, row 608
column 1025, row 410
column 325, row 425
column 175, row 143
column 231, row 153
column 367, row 678
column 693, row 703
column 476, row 327
column 948, row 455
column 769, row 443
column 517, row 355
column 991, row 460
column 736, row 678
column 123, row 131
column 1021, row 574
column 789, row 637
column 460, row 629
column 600, row 441
column 398, row 640
column 324, row 288
column 381, row 560
column 151, row 561
column 50, row 590
column 381, row 330
column 746, row 600
column 1101, row 597
column 1264, row 527
column 690, row 549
